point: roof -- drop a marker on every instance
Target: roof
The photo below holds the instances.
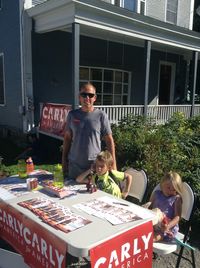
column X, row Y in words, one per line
column 98, row 18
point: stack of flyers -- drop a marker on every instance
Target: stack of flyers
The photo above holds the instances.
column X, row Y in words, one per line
column 54, row 214
column 65, row 191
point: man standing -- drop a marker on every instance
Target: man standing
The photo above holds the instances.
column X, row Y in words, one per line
column 85, row 129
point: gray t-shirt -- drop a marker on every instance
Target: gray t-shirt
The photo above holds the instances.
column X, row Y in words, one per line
column 87, row 129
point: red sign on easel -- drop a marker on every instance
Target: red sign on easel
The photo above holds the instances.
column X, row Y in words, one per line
column 132, row 249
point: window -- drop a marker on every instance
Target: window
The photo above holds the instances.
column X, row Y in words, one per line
column 2, row 94
column 112, row 85
column 127, row 4
column 171, row 11
column 117, row 3
column 141, row 7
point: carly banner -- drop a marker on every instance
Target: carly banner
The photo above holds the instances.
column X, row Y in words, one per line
column 53, row 119
column 38, row 247
column 132, row 249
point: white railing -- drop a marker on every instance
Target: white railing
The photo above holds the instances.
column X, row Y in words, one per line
column 116, row 113
column 158, row 113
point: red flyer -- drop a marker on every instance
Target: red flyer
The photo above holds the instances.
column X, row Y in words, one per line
column 133, row 248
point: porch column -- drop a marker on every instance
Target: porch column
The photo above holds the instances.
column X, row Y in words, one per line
column 75, row 63
column 147, row 67
column 195, row 64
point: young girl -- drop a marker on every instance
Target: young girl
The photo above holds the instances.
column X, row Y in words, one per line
column 168, row 201
column 105, row 178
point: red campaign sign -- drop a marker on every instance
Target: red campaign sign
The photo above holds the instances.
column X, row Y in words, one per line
column 53, row 118
column 132, row 249
column 39, row 247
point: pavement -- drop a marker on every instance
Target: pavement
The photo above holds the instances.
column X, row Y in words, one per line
column 164, row 261
column 169, row 261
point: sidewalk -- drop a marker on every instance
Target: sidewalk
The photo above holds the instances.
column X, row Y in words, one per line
column 169, row 261
column 165, row 261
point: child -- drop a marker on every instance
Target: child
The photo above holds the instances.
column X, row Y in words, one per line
column 167, row 202
column 105, row 178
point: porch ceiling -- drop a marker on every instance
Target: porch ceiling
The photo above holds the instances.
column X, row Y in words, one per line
column 102, row 20
column 124, row 39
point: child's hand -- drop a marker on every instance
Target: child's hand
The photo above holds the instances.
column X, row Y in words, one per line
column 165, row 224
column 164, row 227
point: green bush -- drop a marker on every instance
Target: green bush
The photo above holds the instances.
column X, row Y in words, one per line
column 174, row 146
column 160, row 148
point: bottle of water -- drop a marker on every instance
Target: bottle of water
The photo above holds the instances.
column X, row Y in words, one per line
column 21, row 168
column 58, row 176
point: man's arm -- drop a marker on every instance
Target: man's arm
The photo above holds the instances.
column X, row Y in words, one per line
column 110, row 146
column 83, row 177
column 66, row 147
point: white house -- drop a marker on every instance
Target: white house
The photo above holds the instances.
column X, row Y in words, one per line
column 140, row 54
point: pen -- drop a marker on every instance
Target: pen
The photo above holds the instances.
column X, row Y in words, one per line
column 118, row 203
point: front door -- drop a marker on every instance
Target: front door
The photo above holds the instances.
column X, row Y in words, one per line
column 166, row 83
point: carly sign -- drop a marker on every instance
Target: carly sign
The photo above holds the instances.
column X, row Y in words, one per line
column 132, row 249
column 39, row 247
column 53, row 119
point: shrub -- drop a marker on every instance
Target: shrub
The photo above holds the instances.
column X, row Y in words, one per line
column 158, row 149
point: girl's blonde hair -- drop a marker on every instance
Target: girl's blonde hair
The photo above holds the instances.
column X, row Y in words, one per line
column 106, row 157
column 176, row 180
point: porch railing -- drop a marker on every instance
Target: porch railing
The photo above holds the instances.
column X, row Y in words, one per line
column 157, row 113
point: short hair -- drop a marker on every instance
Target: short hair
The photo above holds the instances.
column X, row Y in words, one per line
column 106, row 157
column 176, row 180
column 88, row 84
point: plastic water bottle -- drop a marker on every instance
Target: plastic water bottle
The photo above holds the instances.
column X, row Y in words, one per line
column 58, row 176
column 21, row 168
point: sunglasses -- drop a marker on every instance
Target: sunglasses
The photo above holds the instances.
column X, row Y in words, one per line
column 85, row 95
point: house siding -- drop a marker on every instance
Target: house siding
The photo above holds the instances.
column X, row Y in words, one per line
column 10, row 47
column 184, row 13
column 157, row 9
column 37, row 2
